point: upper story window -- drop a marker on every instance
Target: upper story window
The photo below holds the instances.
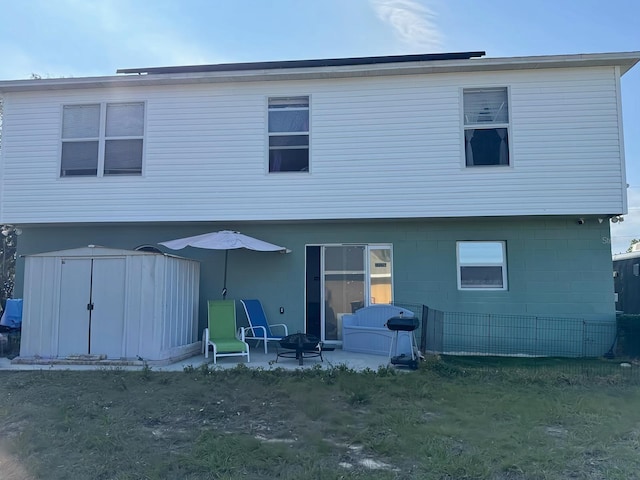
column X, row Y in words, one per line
column 102, row 139
column 289, row 134
column 486, row 126
column 482, row 265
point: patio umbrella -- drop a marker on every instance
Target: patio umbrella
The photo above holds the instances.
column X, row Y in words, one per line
column 224, row 240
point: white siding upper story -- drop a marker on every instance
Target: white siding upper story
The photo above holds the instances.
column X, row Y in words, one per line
column 387, row 146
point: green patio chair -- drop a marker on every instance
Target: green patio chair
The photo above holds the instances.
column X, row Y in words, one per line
column 222, row 333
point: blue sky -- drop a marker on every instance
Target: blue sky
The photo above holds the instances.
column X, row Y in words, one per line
column 74, row 38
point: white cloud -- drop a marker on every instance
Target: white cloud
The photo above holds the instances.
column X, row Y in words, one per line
column 413, row 23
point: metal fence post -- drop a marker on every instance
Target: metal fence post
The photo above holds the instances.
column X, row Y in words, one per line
column 423, row 333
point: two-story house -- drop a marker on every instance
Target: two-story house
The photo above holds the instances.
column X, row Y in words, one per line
column 463, row 182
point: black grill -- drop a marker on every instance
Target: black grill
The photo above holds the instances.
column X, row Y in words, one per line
column 402, row 324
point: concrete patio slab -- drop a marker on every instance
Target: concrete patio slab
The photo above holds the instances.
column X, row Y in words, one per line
column 337, row 357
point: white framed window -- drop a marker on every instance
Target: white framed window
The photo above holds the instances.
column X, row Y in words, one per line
column 288, row 134
column 102, row 139
column 486, row 126
column 482, row 265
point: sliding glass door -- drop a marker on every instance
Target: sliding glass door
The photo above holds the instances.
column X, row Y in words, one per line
column 344, row 285
column 341, row 279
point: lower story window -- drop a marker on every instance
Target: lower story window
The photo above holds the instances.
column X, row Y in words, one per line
column 482, row 265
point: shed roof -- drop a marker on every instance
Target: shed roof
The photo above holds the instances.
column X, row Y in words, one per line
column 98, row 251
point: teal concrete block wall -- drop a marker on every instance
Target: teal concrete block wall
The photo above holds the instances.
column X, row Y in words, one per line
column 556, row 267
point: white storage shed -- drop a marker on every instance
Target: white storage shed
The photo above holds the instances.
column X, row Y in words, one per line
column 97, row 302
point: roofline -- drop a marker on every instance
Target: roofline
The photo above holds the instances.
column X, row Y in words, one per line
column 327, row 62
column 626, row 256
column 303, row 70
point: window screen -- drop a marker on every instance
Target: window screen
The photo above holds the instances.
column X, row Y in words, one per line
column 482, row 106
column 81, row 121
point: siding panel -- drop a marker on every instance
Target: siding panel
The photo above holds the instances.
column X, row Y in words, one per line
column 380, row 147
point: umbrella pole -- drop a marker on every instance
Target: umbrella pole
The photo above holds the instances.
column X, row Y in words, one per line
column 224, row 283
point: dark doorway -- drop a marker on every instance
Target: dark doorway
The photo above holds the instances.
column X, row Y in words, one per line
column 313, row 292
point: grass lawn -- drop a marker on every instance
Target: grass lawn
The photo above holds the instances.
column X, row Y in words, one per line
column 448, row 420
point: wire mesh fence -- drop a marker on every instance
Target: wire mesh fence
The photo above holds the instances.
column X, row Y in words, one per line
column 575, row 346
column 456, row 333
column 486, row 334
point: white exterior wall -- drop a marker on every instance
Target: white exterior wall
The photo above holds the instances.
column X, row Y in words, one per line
column 381, row 147
column 161, row 303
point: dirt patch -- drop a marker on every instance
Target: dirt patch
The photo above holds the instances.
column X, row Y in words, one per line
column 11, row 468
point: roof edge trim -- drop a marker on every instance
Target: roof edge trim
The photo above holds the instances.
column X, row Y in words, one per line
column 328, row 62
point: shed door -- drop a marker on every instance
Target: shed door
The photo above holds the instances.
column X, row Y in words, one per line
column 91, row 307
column 107, row 317
column 75, row 295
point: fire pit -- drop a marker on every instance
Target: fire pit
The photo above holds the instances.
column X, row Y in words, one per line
column 300, row 345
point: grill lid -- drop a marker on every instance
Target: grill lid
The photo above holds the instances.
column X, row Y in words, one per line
column 406, row 324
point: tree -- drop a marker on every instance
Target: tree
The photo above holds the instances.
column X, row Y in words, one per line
column 4, row 266
column 633, row 242
column 8, row 241
column 4, row 284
